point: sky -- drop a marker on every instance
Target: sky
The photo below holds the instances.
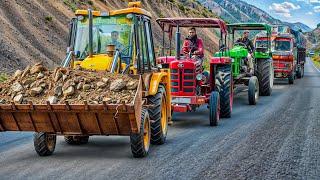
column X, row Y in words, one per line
column 305, row 11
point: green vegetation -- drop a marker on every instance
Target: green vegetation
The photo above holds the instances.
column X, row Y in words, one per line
column 3, row 77
column 316, row 60
column 48, row 18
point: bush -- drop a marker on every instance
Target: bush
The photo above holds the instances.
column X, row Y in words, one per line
column 3, row 77
column 48, row 18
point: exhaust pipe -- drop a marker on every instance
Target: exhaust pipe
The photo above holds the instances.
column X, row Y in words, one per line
column 178, row 37
column 90, row 32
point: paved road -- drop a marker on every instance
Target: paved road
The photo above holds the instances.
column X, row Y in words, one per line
column 277, row 139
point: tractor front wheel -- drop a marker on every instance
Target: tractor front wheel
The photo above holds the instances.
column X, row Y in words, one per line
column 44, row 143
column 253, row 90
column 224, row 86
column 291, row 78
column 214, row 108
column 140, row 142
column 265, row 76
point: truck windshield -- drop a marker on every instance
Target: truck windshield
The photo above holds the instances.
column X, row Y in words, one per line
column 112, row 30
column 282, row 46
column 261, row 44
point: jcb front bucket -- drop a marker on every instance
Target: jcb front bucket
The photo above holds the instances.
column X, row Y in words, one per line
column 74, row 119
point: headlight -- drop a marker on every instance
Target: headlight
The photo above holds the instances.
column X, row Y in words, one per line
column 199, row 77
column 159, row 66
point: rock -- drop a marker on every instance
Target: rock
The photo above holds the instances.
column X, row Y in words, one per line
column 117, row 85
column 107, row 99
column 43, row 85
column 40, row 75
column 132, row 85
column 69, row 91
column 2, row 101
column 53, row 99
column 58, row 76
column 18, row 98
column 86, row 87
column 36, row 91
column 105, row 80
column 79, row 97
column 27, row 82
column 16, row 87
column 26, row 71
column 64, row 77
column 101, row 84
column 80, row 85
column 58, row 91
column 37, row 68
column 17, row 74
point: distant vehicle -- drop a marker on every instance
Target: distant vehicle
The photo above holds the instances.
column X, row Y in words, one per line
column 311, row 53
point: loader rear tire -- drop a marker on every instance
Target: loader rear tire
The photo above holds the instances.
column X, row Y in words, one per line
column 265, row 75
column 76, row 140
column 44, row 143
column 224, row 86
column 140, row 142
column 159, row 115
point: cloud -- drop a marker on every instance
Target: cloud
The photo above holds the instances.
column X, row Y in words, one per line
column 316, row 9
column 284, row 8
column 310, row 1
column 309, row 13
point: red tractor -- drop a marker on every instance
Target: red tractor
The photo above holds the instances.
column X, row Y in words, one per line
column 283, row 55
column 191, row 85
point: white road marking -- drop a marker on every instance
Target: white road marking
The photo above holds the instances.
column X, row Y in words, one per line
column 314, row 66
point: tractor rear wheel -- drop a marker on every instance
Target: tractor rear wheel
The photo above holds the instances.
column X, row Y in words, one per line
column 265, row 75
column 76, row 140
column 253, row 90
column 158, row 113
column 224, row 85
column 44, row 143
column 291, row 78
column 214, row 108
column 140, row 142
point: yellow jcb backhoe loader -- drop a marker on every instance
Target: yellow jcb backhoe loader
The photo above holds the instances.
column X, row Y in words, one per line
column 120, row 42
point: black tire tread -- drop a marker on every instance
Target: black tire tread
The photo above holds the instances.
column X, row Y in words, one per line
column 136, row 140
column 76, row 140
column 263, row 75
column 223, row 86
column 157, row 136
column 40, row 144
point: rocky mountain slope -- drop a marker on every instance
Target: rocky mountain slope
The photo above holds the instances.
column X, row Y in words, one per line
column 37, row 30
column 235, row 11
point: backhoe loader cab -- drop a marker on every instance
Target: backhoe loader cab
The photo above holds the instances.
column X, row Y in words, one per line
column 118, row 41
column 191, row 86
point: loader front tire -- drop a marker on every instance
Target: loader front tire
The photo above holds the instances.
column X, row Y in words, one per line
column 159, row 115
column 44, row 143
column 140, row 142
column 76, row 140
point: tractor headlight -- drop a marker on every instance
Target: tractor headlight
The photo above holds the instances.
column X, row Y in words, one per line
column 159, row 66
column 199, row 77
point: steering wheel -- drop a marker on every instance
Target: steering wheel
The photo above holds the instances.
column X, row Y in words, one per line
column 240, row 44
column 189, row 47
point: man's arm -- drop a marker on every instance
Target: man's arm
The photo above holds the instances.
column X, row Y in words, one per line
column 185, row 47
column 251, row 46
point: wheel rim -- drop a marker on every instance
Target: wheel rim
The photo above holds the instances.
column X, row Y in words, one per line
column 146, row 135
column 164, row 116
column 50, row 141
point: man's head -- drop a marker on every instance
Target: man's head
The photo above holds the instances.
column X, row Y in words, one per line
column 114, row 35
column 246, row 34
column 192, row 32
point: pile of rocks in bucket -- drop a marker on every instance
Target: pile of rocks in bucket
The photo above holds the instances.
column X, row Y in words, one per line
column 38, row 85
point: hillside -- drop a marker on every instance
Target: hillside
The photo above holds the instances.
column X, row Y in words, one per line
column 314, row 39
column 37, row 30
column 235, row 11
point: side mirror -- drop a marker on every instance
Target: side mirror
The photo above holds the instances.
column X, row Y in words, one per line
column 77, row 54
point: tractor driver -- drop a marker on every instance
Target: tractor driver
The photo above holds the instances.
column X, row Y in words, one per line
column 249, row 45
column 194, row 45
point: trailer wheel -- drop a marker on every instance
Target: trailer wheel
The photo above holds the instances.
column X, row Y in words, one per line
column 44, row 143
column 300, row 72
column 224, row 86
column 159, row 115
column 140, row 142
column 291, row 78
column 265, row 75
column 253, row 90
column 76, row 140
column 214, row 108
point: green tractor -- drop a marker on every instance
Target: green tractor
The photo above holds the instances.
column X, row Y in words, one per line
column 260, row 82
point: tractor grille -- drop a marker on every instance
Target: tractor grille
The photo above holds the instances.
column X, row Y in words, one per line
column 182, row 80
